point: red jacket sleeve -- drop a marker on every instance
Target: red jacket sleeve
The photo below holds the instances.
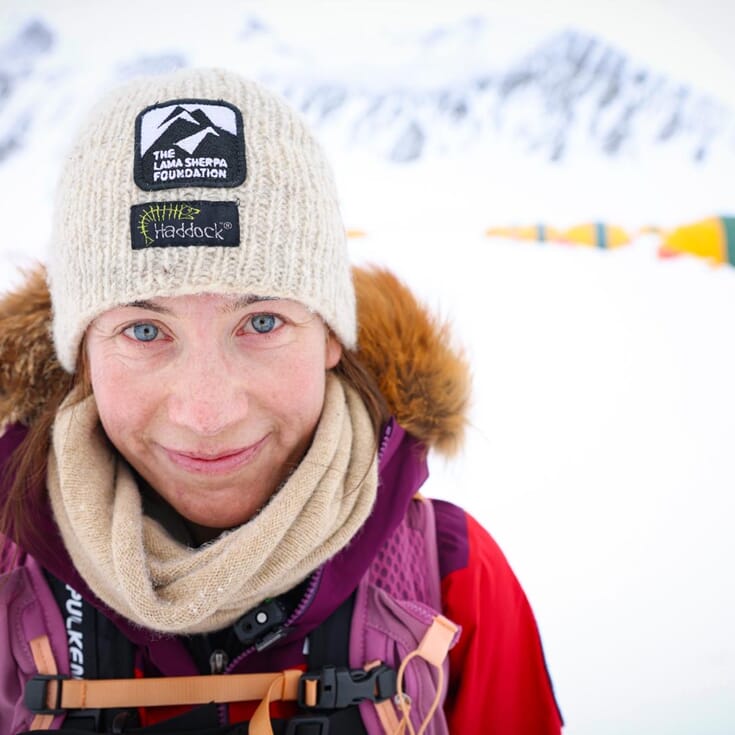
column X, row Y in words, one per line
column 498, row 684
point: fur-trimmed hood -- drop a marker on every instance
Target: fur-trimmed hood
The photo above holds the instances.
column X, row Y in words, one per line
column 423, row 378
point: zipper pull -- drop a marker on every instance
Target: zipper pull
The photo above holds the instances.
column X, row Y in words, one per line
column 271, row 638
column 218, row 661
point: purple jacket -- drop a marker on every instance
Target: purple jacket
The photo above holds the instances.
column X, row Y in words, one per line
column 27, row 608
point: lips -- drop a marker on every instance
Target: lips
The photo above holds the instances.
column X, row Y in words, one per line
column 214, row 464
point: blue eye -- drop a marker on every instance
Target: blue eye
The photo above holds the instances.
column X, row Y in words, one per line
column 145, row 332
column 263, row 323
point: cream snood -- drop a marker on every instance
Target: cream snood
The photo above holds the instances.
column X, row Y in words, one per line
column 134, row 565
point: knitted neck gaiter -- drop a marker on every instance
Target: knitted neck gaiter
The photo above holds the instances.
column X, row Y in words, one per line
column 135, row 566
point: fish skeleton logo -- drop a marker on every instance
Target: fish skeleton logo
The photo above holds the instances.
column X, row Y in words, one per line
column 183, row 143
column 184, row 224
column 152, row 213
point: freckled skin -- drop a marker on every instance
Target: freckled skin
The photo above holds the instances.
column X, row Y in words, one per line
column 217, row 409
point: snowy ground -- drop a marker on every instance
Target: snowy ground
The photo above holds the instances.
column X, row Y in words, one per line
column 599, row 456
column 600, row 447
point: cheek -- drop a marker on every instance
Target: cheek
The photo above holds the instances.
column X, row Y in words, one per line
column 298, row 395
column 123, row 402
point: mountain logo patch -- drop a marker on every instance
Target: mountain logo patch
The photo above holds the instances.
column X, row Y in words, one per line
column 184, row 143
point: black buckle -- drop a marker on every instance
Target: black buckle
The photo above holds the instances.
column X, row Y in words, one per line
column 292, row 728
column 36, row 694
column 342, row 687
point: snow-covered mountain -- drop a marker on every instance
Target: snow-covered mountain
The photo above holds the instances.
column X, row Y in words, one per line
column 449, row 91
column 571, row 93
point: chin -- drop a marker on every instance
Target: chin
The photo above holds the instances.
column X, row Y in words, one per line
column 206, row 513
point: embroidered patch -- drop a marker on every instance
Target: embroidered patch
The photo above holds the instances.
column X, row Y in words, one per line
column 184, row 224
column 189, row 143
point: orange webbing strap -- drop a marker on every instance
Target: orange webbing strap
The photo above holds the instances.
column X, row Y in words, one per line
column 173, row 690
column 385, row 710
column 437, row 640
column 433, row 648
column 388, row 718
column 43, row 657
column 284, row 686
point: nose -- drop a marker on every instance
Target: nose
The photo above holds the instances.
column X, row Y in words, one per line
column 205, row 397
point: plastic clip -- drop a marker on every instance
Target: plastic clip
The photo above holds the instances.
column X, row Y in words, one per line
column 36, row 694
column 335, row 688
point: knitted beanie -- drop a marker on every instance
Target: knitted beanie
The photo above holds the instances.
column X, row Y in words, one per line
column 195, row 182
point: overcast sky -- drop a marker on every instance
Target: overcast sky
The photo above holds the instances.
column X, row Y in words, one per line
column 689, row 39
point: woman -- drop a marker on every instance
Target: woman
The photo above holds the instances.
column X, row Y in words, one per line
column 211, row 472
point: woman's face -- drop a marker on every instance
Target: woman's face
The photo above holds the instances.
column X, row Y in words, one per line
column 212, row 399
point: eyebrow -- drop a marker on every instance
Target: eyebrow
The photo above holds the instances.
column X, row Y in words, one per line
column 241, row 303
column 145, row 304
column 245, row 301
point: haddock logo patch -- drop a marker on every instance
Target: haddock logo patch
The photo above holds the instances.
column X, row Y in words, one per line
column 184, row 224
column 182, row 143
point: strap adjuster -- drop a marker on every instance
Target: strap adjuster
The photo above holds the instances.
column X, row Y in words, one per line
column 36, row 694
column 337, row 687
column 295, row 723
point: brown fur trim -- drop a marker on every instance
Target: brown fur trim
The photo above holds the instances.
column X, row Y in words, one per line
column 28, row 366
column 425, row 382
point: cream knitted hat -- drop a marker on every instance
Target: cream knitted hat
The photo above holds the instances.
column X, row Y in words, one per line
column 198, row 181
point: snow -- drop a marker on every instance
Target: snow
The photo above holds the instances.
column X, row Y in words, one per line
column 599, row 451
column 598, row 455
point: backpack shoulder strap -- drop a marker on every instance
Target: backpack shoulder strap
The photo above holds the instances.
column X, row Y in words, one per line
column 329, row 645
column 97, row 650
column 397, row 616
